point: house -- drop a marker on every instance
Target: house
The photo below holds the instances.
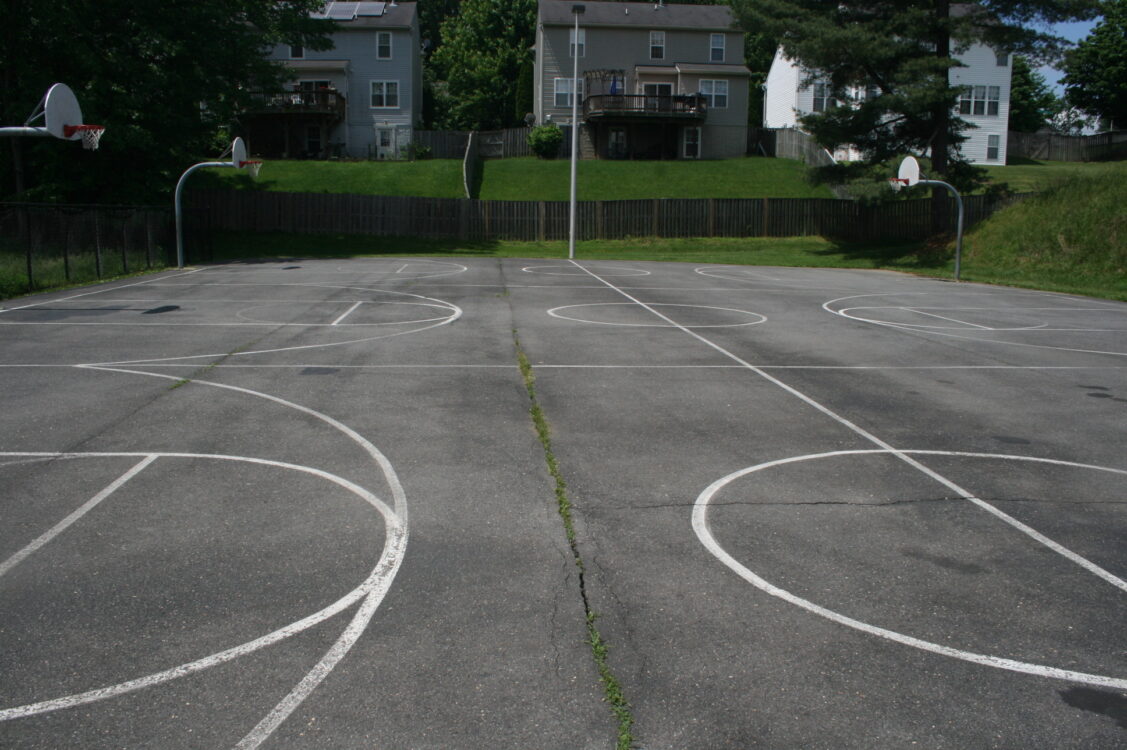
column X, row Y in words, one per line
column 985, row 100
column 360, row 99
column 656, row 80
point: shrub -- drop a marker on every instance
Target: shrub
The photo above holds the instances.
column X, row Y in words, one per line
column 545, row 140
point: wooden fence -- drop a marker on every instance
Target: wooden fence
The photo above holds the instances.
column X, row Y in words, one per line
column 492, row 144
column 1054, row 147
column 316, row 213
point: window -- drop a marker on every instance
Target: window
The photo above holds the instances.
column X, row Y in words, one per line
column 385, row 94
column 823, row 98
column 716, row 48
column 297, row 52
column 1002, row 59
column 616, row 143
column 715, row 93
column 582, row 43
column 992, row 144
column 313, row 139
column 563, row 91
column 692, row 143
column 980, row 100
column 657, row 45
column 383, row 45
column 313, row 85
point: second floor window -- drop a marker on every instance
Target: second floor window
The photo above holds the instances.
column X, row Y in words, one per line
column 383, row 45
column 385, row 94
column 657, row 45
column 980, row 100
column 716, row 48
column 823, row 97
column 297, row 52
column 582, row 43
column 563, row 91
column 715, row 93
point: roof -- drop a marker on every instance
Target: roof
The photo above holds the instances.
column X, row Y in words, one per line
column 645, row 15
column 369, row 15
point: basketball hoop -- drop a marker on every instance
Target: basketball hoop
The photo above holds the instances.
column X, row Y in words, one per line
column 254, row 167
column 90, row 134
column 896, row 183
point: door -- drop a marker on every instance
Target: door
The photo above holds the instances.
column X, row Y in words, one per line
column 692, row 143
column 659, row 96
column 385, row 143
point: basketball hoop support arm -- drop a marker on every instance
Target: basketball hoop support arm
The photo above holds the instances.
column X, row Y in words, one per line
column 179, row 212
column 24, row 130
column 959, row 225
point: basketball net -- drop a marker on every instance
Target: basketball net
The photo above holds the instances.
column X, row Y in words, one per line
column 254, row 167
column 91, row 134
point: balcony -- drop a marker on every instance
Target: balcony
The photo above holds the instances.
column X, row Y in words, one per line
column 329, row 102
column 681, row 107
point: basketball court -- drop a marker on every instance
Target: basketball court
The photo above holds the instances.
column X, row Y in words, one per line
column 303, row 504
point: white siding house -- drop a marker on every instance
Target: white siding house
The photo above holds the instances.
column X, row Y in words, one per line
column 985, row 102
column 360, row 99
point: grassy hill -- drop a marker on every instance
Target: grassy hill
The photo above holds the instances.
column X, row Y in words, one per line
column 1072, row 237
column 749, row 177
column 534, row 179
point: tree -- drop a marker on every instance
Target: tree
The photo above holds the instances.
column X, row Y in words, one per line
column 1033, row 105
column 1095, row 77
column 900, row 54
column 166, row 79
column 482, row 51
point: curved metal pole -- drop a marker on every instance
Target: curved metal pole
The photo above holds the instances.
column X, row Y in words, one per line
column 959, row 228
column 176, row 202
column 25, row 130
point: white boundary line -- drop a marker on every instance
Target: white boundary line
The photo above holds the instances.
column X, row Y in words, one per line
column 960, row 492
column 82, row 510
column 704, row 533
column 757, row 318
column 148, row 282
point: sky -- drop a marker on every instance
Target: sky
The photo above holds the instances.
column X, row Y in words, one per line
column 1074, row 32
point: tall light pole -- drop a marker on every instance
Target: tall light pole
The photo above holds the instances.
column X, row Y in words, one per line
column 577, row 11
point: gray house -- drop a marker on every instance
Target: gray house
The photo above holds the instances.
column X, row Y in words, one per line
column 359, row 99
column 657, row 81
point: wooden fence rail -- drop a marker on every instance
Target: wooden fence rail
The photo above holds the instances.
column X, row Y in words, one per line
column 316, row 213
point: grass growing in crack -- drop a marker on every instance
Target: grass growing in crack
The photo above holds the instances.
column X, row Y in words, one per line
column 612, row 689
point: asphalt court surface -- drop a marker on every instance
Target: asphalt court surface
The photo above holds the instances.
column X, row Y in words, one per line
column 303, row 504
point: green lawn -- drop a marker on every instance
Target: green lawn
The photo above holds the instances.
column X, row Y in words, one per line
column 430, row 178
column 549, row 180
column 1030, row 176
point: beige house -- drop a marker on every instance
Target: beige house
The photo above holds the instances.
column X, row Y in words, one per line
column 656, row 80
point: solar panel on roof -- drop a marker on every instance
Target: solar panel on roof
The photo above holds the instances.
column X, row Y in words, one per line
column 342, row 11
column 370, row 9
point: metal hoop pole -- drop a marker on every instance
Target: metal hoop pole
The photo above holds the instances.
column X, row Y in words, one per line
column 959, row 226
column 176, row 202
column 25, row 130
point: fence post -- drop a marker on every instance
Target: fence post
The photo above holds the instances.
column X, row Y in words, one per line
column 600, row 226
column 97, row 244
column 541, row 219
column 766, row 218
column 711, row 217
column 655, row 228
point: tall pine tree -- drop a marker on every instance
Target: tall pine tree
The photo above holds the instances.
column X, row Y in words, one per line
column 901, row 51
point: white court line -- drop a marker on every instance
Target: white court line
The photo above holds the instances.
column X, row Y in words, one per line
column 936, row 332
column 82, row 510
column 704, row 533
column 372, row 591
column 950, row 320
column 147, row 282
column 349, row 312
column 961, row 492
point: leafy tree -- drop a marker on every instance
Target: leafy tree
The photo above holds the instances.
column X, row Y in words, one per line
column 1095, row 77
column 900, row 53
column 164, row 78
column 482, row 51
column 1032, row 103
